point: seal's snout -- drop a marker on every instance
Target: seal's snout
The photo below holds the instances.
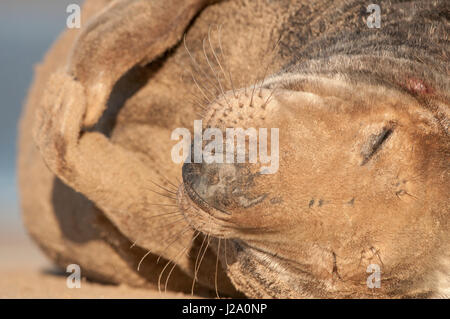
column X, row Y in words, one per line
column 211, row 185
column 224, row 187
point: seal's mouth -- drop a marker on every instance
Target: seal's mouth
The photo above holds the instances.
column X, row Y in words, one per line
column 191, row 174
column 195, row 198
column 200, row 215
column 210, row 185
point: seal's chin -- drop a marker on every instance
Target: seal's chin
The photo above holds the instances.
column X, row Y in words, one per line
column 199, row 214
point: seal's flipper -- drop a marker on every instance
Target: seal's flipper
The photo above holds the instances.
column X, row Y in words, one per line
column 126, row 33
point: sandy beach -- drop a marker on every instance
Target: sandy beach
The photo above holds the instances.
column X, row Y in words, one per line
column 26, row 273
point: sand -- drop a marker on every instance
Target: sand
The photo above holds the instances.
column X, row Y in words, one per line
column 26, row 273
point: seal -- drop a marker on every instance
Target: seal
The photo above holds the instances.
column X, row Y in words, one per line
column 361, row 159
column 362, row 180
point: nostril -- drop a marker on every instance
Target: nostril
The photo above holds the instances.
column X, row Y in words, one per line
column 213, row 178
column 190, row 171
column 224, row 187
column 210, row 184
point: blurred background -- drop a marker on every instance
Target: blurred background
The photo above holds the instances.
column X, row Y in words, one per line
column 27, row 30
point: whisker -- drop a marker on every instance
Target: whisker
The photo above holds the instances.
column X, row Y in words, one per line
column 217, row 265
column 165, row 214
column 168, row 181
column 167, row 205
column 202, row 108
column 200, row 115
column 213, row 71
column 269, row 63
column 174, row 262
column 197, row 66
column 178, row 235
column 142, row 259
column 266, row 53
column 198, row 101
column 215, row 55
column 245, row 85
column 170, row 272
column 165, row 225
column 163, row 188
column 199, row 88
column 268, row 99
column 195, row 265
column 411, row 195
column 148, row 252
column 218, row 62
column 225, row 62
column 169, row 214
column 170, row 197
column 200, row 262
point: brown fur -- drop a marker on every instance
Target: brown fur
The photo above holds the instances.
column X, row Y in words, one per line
column 364, row 147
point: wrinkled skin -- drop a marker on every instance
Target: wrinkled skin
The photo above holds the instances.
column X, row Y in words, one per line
column 363, row 149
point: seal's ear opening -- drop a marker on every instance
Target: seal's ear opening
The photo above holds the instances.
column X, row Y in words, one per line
column 375, row 142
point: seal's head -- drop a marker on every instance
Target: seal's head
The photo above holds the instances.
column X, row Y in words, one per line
column 362, row 185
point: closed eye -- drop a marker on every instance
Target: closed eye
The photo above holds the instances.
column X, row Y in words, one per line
column 375, row 143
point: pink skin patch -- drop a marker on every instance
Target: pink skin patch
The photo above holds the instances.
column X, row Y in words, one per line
column 417, row 86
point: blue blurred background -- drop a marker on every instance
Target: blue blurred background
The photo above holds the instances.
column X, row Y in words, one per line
column 27, row 29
